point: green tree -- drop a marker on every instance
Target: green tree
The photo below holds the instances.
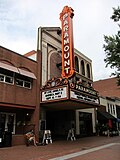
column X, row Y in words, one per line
column 112, row 47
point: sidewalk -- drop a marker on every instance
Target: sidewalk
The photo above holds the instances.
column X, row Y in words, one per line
column 59, row 148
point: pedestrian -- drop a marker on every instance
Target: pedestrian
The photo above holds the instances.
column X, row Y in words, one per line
column 30, row 137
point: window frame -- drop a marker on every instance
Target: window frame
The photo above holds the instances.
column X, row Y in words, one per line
column 23, row 83
column 6, row 76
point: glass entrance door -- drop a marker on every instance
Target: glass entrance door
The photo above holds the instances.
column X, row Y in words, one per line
column 85, row 122
column 7, row 122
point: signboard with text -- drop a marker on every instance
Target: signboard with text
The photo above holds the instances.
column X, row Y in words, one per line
column 54, row 94
column 67, row 42
column 82, row 97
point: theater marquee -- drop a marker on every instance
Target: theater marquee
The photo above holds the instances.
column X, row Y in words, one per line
column 82, row 97
column 54, row 94
column 67, row 42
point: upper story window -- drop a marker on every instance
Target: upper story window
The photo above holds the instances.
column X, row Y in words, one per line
column 2, row 77
column 23, row 81
column 27, row 84
column 76, row 64
column 108, row 107
column 9, row 77
column 19, row 82
column 6, row 76
column 88, row 71
column 82, row 67
column 113, row 109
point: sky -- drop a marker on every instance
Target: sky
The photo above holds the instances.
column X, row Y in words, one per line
column 20, row 20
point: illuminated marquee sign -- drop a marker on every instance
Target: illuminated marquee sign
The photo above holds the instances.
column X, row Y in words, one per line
column 67, row 42
column 54, row 94
column 85, row 89
column 82, row 97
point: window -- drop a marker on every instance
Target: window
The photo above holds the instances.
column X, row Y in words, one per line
column 9, row 79
column 76, row 64
column 88, row 71
column 82, row 68
column 19, row 82
column 6, row 79
column 1, row 78
column 113, row 109
column 8, row 121
column 27, row 84
column 22, row 83
column 108, row 107
column 6, row 76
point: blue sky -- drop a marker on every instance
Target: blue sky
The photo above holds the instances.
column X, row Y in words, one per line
column 19, row 21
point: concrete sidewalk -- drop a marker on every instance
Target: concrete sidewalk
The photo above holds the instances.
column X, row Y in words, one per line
column 62, row 148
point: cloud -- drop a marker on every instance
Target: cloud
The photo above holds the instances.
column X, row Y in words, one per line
column 19, row 21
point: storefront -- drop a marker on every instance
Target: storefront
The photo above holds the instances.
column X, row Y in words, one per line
column 107, row 122
column 19, row 105
column 65, row 105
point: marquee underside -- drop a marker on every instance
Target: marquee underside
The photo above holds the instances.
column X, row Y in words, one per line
column 68, row 105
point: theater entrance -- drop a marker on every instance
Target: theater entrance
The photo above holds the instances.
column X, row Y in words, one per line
column 59, row 122
column 85, row 124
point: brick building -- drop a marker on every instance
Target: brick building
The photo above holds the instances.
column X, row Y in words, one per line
column 107, row 87
column 19, row 94
column 109, row 94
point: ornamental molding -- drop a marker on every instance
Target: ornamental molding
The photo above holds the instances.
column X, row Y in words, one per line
column 55, row 82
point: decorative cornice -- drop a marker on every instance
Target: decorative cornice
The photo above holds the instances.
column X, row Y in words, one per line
column 54, row 82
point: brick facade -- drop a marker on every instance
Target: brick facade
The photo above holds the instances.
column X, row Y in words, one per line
column 21, row 97
column 107, row 87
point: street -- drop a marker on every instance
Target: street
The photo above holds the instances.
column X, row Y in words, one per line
column 88, row 148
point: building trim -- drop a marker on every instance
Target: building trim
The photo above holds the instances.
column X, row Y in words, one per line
column 9, row 67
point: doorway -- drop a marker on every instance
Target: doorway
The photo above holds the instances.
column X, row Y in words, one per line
column 59, row 122
column 85, row 124
column 7, row 121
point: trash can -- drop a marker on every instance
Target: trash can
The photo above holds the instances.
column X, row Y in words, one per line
column 7, row 139
column 1, row 139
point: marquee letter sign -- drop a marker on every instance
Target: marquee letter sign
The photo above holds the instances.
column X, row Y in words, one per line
column 67, row 42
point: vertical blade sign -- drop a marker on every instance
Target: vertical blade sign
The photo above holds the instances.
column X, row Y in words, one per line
column 67, row 42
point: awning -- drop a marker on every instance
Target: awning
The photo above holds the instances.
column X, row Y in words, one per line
column 8, row 67
column 104, row 116
column 27, row 73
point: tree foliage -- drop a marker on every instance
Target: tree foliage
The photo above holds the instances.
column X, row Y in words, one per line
column 112, row 47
